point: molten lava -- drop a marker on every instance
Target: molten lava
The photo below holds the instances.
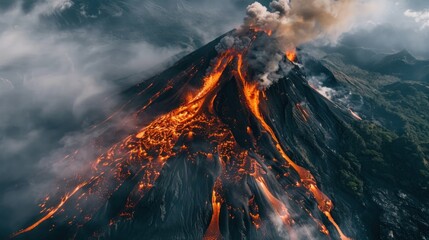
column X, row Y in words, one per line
column 213, row 232
column 291, row 55
column 54, row 210
column 144, row 153
column 278, row 205
column 252, row 95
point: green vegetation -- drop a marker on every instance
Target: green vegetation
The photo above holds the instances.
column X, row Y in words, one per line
column 379, row 154
column 392, row 144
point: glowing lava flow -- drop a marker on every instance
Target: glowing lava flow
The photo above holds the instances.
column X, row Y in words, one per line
column 252, row 95
column 278, row 205
column 154, row 143
column 163, row 133
column 213, row 231
column 54, row 210
column 148, row 150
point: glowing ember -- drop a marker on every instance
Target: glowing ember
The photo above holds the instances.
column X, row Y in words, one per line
column 257, row 29
column 291, row 55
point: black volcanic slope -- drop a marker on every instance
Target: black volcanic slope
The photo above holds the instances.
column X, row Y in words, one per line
column 224, row 174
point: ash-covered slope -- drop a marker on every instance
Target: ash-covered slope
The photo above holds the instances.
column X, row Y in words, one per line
column 205, row 153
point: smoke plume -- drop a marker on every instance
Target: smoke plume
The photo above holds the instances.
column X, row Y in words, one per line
column 293, row 23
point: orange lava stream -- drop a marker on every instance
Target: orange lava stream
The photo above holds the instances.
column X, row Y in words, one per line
column 153, row 144
column 189, row 110
column 163, row 133
column 213, row 231
column 54, row 210
column 252, row 95
column 279, row 206
column 154, row 141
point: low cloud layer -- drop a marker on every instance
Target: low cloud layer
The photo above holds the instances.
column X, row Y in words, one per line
column 421, row 17
column 56, row 57
column 47, row 77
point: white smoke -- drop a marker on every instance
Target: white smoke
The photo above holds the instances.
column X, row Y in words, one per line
column 317, row 83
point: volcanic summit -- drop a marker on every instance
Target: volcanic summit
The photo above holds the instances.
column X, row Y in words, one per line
column 219, row 157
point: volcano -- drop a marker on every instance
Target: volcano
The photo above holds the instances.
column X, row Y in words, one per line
column 211, row 155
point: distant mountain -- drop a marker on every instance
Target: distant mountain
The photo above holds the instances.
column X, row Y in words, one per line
column 401, row 64
column 404, row 66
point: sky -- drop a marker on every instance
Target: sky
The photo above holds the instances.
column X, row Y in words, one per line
column 58, row 55
column 397, row 25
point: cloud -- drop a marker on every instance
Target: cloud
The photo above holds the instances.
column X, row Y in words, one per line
column 47, row 77
column 421, row 17
column 390, row 30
